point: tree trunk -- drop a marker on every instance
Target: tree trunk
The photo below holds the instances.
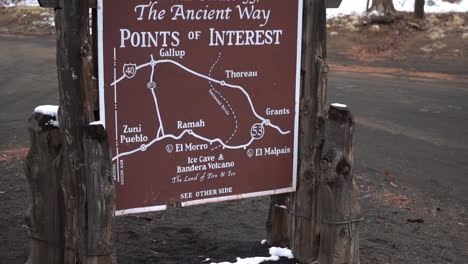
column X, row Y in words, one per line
column 382, row 11
column 383, row 6
column 419, row 8
column 338, row 193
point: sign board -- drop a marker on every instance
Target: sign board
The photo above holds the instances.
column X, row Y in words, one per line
column 200, row 99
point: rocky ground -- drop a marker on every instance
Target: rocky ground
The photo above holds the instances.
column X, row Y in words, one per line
column 437, row 37
column 27, row 21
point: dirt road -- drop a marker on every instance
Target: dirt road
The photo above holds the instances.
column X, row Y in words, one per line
column 411, row 164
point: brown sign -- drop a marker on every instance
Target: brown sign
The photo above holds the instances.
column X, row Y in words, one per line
column 200, row 99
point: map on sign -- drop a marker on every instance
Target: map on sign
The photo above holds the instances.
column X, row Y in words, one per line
column 200, row 100
column 256, row 131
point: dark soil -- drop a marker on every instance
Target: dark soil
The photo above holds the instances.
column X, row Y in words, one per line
column 400, row 226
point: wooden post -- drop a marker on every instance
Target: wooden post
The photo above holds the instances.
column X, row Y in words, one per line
column 308, row 233
column 338, row 193
column 100, row 196
column 277, row 221
column 80, row 180
column 74, row 116
column 304, row 224
column 88, row 189
column 42, row 170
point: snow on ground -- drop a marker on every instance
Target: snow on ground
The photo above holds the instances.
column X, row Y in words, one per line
column 13, row 3
column 275, row 254
column 349, row 7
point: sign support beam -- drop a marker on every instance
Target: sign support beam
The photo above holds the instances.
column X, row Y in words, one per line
column 296, row 220
column 82, row 181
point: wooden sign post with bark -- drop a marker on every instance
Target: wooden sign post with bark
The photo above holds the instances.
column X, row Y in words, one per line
column 68, row 167
column 69, row 164
column 320, row 221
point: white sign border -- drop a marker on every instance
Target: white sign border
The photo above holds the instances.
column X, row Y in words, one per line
column 102, row 113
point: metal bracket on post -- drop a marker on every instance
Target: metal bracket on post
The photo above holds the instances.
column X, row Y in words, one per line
column 59, row 3
column 92, row 3
column 333, row 3
column 51, row 3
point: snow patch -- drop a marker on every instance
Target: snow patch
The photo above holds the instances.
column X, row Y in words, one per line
column 339, row 105
column 15, row 3
column 437, row 33
column 96, row 123
column 374, row 28
column 50, row 110
column 281, row 252
column 281, row 206
column 358, row 7
column 275, row 254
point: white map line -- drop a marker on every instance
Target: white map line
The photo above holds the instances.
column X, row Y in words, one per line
column 222, row 83
column 153, row 63
column 151, row 83
column 226, row 101
column 161, row 126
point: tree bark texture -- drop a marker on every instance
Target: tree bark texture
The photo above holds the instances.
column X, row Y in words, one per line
column 88, row 190
column 322, row 200
column 299, row 223
column 82, row 175
column 339, row 207
column 304, row 223
column 277, row 221
column 385, row 11
column 383, row 6
column 73, row 116
column 42, row 169
column 47, row 213
column 100, row 196
column 419, row 8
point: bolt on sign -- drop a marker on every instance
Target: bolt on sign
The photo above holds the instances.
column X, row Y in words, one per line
column 200, row 99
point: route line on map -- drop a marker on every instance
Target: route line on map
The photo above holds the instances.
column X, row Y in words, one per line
column 153, row 63
column 226, row 101
column 155, row 98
